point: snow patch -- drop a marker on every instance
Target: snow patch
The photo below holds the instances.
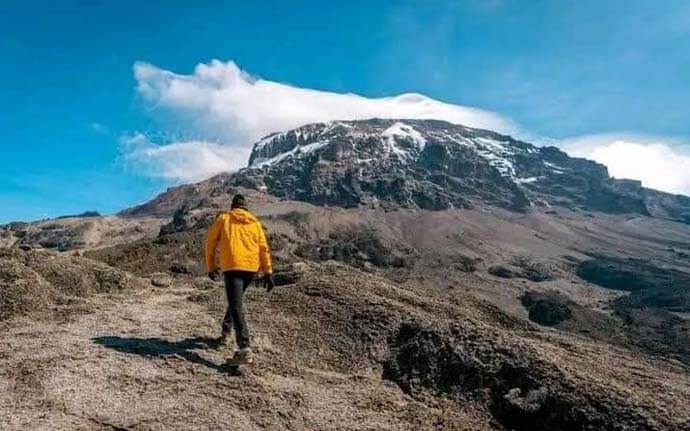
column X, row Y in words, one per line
column 401, row 130
column 555, row 168
column 298, row 151
column 262, row 143
column 527, row 180
column 497, row 154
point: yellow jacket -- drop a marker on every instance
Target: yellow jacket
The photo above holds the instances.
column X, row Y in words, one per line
column 242, row 243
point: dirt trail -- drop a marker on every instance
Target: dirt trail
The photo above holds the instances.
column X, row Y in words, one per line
column 143, row 360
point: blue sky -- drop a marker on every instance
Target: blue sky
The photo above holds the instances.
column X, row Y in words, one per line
column 586, row 72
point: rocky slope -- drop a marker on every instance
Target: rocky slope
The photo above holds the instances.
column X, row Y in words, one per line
column 34, row 282
column 339, row 349
column 77, row 232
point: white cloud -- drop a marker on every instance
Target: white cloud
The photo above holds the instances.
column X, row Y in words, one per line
column 221, row 98
column 660, row 163
column 222, row 103
column 188, row 161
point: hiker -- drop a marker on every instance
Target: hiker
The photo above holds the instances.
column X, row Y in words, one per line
column 243, row 251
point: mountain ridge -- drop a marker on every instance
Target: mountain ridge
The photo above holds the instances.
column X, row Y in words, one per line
column 434, row 164
column 382, row 170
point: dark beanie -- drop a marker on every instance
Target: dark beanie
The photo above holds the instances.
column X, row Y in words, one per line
column 238, row 201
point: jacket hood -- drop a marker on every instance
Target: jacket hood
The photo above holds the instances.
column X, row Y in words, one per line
column 242, row 216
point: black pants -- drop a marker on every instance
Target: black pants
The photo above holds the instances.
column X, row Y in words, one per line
column 236, row 282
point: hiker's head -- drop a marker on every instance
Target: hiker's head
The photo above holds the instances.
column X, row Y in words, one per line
column 238, row 201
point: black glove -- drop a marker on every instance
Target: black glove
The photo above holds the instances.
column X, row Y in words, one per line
column 268, row 282
column 213, row 275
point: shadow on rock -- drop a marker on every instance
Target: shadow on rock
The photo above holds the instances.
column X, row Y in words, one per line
column 160, row 348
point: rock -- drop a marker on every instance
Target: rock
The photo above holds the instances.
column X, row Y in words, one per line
column 203, row 297
column 650, row 285
column 161, row 280
column 285, row 278
column 532, row 269
column 522, row 390
column 300, row 267
column 502, row 271
column 522, row 267
column 629, row 274
column 547, row 308
column 289, row 274
column 465, row 263
column 357, row 245
column 549, row 313
column 187, row 219
column 204, row 283
column 85, row 214
column 180, row 268
column 683, row 254
column 530, row 403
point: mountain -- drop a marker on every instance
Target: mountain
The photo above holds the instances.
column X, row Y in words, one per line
column 437, row 165
column 429, row 276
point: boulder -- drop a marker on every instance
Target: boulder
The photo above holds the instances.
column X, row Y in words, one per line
column 160, row 279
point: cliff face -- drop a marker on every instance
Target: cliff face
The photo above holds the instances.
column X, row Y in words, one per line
column 437, row 165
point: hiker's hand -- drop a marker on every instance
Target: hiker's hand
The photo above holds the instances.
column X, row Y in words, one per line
column 213, row 275
column 268, row 282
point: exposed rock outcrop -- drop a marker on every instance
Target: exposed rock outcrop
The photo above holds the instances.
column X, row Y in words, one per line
column 436, row 165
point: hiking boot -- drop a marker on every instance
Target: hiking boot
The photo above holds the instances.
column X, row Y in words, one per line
column 224, row 340
column 243, row 356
